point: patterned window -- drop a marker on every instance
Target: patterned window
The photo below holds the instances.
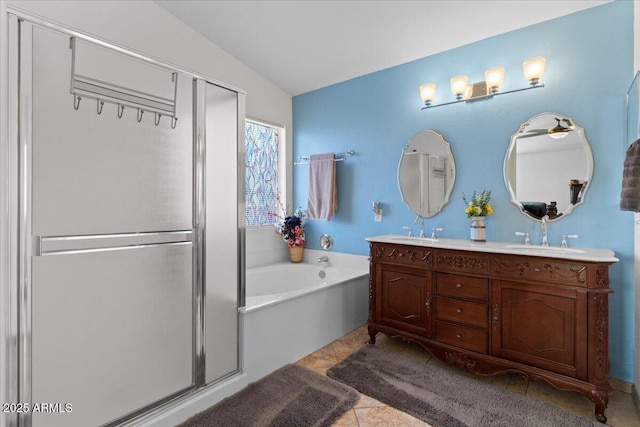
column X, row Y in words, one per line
column 261, row 172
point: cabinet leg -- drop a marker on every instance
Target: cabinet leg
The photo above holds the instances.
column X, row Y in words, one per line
column 601, row 399
column 372, row 335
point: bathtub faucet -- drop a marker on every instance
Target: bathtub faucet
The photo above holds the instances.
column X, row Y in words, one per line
column 323, row 258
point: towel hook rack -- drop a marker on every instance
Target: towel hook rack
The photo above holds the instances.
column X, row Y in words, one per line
column 159, row 97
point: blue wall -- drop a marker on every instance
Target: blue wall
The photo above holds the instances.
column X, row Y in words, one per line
column 589, row 69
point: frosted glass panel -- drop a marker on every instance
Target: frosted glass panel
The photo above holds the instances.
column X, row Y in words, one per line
column 221, row 239
column 112, row 331
column 98, row 174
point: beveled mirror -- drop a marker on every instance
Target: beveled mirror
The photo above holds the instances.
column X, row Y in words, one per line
column 548, row 166
column 426, row 173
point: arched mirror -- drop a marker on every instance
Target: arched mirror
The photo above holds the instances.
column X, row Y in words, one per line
column 426, row 173
column 548, row 166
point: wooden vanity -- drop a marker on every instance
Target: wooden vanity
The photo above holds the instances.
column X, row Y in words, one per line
column 493, row 309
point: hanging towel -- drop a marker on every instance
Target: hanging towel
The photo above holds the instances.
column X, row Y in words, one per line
column 323, row 196
column 411, row 189
column 630, row 194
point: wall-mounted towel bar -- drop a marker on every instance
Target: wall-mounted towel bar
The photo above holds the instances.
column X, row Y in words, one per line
column 108, row 77
column 339, row 157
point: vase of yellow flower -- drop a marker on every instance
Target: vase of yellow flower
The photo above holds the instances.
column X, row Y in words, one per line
column 477, row 209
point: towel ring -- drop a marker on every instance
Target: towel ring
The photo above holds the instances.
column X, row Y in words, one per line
column 120, row 110
column 76, row 102
column 99, row 105
column 140, row 113
column 174, row 122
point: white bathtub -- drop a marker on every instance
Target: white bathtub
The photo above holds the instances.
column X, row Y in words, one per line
column 290, row 311
column 281, row 282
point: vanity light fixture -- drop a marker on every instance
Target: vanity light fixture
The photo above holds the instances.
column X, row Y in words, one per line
column 532, row 68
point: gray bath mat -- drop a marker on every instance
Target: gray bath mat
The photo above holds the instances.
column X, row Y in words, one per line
column 443, row 397
column 291, row 396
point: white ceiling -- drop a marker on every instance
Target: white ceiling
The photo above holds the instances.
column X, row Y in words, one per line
column 309, row 44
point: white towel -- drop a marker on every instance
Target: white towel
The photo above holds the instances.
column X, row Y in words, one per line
column 323, row 195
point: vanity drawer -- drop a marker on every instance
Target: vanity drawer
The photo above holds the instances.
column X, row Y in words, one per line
column 454, row 285
column 462, row 336
column 543, row 269
column 471, row 313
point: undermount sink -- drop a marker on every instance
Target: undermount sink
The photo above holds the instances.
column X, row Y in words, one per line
column 414, row 239
column 530, row 248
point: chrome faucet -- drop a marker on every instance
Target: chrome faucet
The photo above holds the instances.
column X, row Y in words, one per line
column 410, row 230
column 527, row 240
column 433, row 232
column 421, row 226
column 545, row 242
column 323, row 258
column 564, row 243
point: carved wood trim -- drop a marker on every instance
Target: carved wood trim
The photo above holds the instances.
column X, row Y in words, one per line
column 372, row 291
column 403, row 254
column 460, row 261
column 577, row 272
column 544, row 270
column 602, row 277
column 496, row 316
column 502, row 265
column 460, row 360
column 601, row 326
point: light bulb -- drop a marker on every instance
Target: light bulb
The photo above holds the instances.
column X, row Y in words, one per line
column 428, row 93
column 533, row 69
column 459, row 85
column 494, row 78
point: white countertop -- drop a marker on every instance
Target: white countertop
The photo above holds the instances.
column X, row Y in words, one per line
column 578, row 254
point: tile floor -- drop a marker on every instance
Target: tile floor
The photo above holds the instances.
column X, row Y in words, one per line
column 369, row 412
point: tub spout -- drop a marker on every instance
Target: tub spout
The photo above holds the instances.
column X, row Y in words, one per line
column 323, row 258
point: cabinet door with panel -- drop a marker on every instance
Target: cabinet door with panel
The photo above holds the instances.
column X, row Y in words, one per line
column 540, row 325
column 404, row 298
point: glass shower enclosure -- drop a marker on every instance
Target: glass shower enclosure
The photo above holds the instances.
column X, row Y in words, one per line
column 129, row 230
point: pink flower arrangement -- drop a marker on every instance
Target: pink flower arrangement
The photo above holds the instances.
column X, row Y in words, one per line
column 291, row 228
